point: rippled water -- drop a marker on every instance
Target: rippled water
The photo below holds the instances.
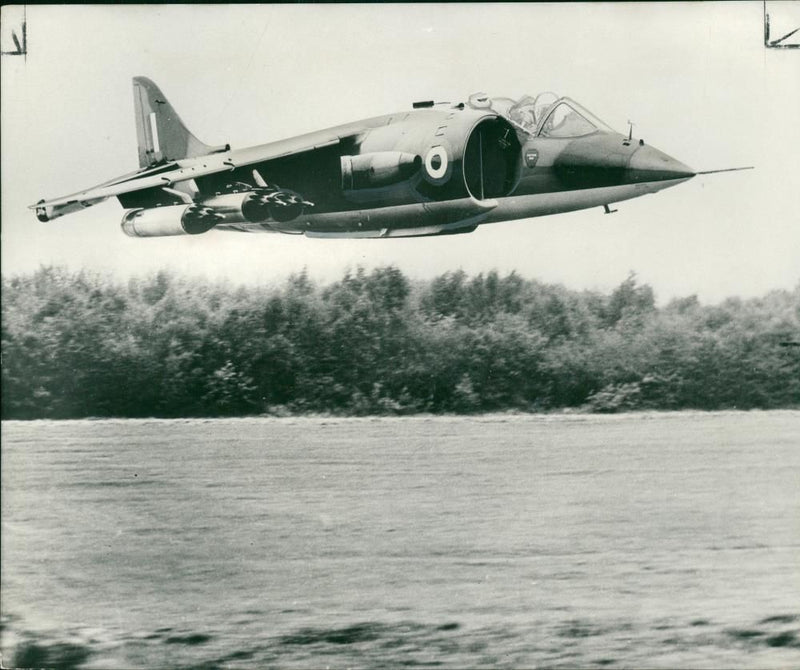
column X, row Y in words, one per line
column 651, row 539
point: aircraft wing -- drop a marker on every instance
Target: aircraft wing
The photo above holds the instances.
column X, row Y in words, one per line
column 191, row 168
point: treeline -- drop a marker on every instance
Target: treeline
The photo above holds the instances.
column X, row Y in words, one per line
column 79, row 345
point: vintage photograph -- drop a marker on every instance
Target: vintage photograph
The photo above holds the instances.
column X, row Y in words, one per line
column 384, row 335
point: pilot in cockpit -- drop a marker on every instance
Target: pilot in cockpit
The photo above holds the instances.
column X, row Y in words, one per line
column 525, row 117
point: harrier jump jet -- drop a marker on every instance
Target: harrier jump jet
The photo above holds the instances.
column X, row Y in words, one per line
column 435, row 169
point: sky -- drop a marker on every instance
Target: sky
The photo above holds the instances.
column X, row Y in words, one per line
column 695, row 79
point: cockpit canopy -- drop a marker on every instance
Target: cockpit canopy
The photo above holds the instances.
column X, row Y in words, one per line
column 544, row 115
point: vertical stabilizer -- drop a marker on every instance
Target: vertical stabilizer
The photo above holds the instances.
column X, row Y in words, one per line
column 160, row 133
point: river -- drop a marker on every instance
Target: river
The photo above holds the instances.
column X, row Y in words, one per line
column 659, row 540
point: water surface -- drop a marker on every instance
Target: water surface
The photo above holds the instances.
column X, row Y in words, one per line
column 508, row 541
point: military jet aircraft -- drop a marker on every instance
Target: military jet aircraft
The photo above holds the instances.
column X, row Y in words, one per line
column 435, row 169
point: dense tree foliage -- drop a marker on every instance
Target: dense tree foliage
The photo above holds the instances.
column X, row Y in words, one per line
column 77, row 345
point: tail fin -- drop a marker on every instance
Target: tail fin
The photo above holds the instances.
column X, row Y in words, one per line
column 160, row 133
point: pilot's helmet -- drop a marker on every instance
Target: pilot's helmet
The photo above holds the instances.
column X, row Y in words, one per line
column 525, row 116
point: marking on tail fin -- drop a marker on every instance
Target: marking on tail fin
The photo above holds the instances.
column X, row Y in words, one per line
column 154, row 132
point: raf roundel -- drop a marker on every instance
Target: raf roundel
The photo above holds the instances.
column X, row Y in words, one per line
column 436, row 162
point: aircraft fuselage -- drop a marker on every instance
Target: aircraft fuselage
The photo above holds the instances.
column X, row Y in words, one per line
column 465, row 176
column 432, row 170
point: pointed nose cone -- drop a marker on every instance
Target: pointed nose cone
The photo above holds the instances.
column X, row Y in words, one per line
column 648, row 164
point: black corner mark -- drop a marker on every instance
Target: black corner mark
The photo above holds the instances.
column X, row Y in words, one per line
column 20, row 45
column 780, row 42
column 777, row 43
